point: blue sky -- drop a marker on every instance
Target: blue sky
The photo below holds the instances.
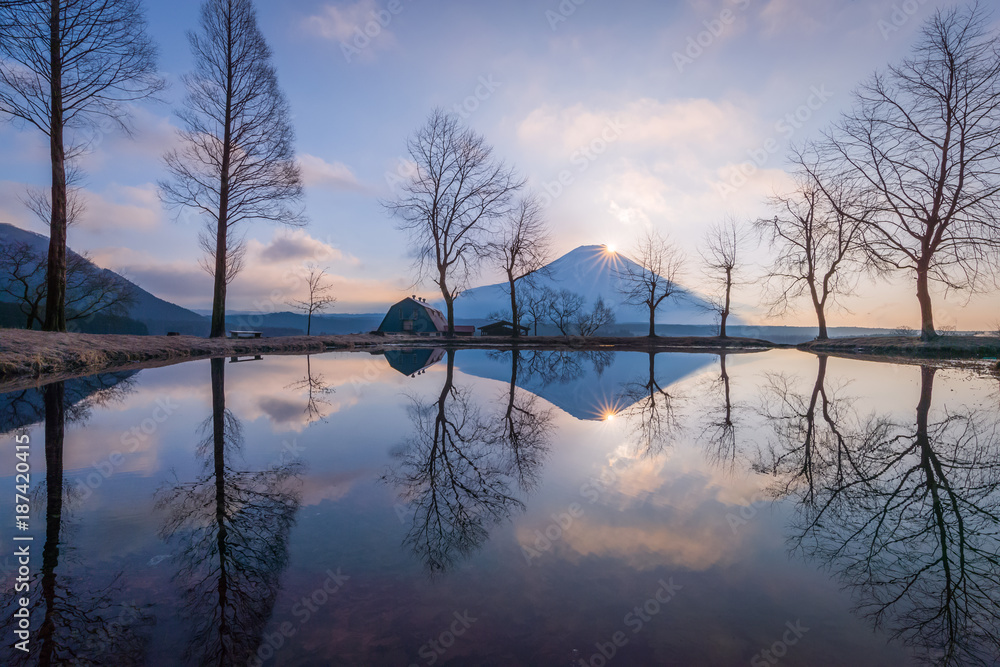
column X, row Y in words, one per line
column 650, row 112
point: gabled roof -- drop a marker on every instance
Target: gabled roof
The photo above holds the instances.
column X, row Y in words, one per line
column 440, row 323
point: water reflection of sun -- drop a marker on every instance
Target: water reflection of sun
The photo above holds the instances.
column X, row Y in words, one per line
column 607, row 411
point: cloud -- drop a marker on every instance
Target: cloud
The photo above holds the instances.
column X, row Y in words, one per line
column 298, row 246
column 360, row 27
column 318, row 173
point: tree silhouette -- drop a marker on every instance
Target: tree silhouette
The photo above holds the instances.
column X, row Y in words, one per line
column 231, row 528
column 651, row 413
column 921, row 144
column 906, row 515
column 458, row 191
column 461, row 469
column 236, row 162
column 317, row 388
column 82, row 622
column 68, row 64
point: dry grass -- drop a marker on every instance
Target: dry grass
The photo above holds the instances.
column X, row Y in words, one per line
column 35, row 354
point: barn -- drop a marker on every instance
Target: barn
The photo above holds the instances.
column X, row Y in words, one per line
column 414, row 316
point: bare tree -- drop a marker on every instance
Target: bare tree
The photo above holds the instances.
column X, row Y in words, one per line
column 521, row 250
column 923, row 140
column 818, row 249
column 237, row 161
column 536, row 304
column 319, row 297
column 457, row 193
column 588, row 323
column 652, row 278
column 90, row 289
column 564, row 306
column 723, row 260
column 64, row 65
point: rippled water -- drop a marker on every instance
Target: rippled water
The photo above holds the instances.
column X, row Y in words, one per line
column 482, row 508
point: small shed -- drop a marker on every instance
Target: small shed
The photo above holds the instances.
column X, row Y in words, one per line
column 502, row 328
column 414, row 316
column 463, row 330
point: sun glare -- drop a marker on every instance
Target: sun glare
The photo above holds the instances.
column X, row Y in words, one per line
column 610, row 247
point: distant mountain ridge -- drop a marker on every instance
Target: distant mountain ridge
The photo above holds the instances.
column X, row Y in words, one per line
column 157, row 314
column 592, row 271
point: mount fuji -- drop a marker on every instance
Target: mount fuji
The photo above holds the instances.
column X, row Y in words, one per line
column 592, row 271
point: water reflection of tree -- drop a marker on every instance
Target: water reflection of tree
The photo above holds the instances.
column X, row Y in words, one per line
column 562, row 366
column 651, row 413
column 908, row 516
column 82, row 621
column 460, row 471
column 231, row 527
column 317, row 389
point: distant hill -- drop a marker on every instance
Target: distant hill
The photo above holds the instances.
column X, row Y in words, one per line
column 158, row 315
column 591, row 271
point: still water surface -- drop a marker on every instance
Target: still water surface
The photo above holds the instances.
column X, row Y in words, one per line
column 486, row 508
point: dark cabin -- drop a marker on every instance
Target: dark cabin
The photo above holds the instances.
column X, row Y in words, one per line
column 416, row 317
column 502, row 328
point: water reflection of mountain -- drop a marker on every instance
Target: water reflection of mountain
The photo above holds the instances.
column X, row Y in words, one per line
column 587, row 385
column 25, row 407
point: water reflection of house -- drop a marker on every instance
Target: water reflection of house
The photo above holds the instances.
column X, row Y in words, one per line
column 415, row 316
column 412, row 362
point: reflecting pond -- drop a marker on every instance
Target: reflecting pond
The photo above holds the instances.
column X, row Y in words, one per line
column 431, row 507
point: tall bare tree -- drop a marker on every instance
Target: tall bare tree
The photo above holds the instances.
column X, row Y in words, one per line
column 651, row 278
column 71, row 65
column 318, row 296
column 722, row 257
column 451, row 203
column 818, row 249
column 521, row 249
column 923, row 139
column 236, row 161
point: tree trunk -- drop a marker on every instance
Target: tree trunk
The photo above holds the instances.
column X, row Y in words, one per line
column 55, row 272
column 821, row 319
column 219, row 296
column 309, row 323
column 652, row 322
column 222, row 228
column 54, row 398
column 927, row 331
column 725, row 309
column 219, row 460
column 515, row 317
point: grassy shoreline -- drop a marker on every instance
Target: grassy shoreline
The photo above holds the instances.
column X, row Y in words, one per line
column 30, row 358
